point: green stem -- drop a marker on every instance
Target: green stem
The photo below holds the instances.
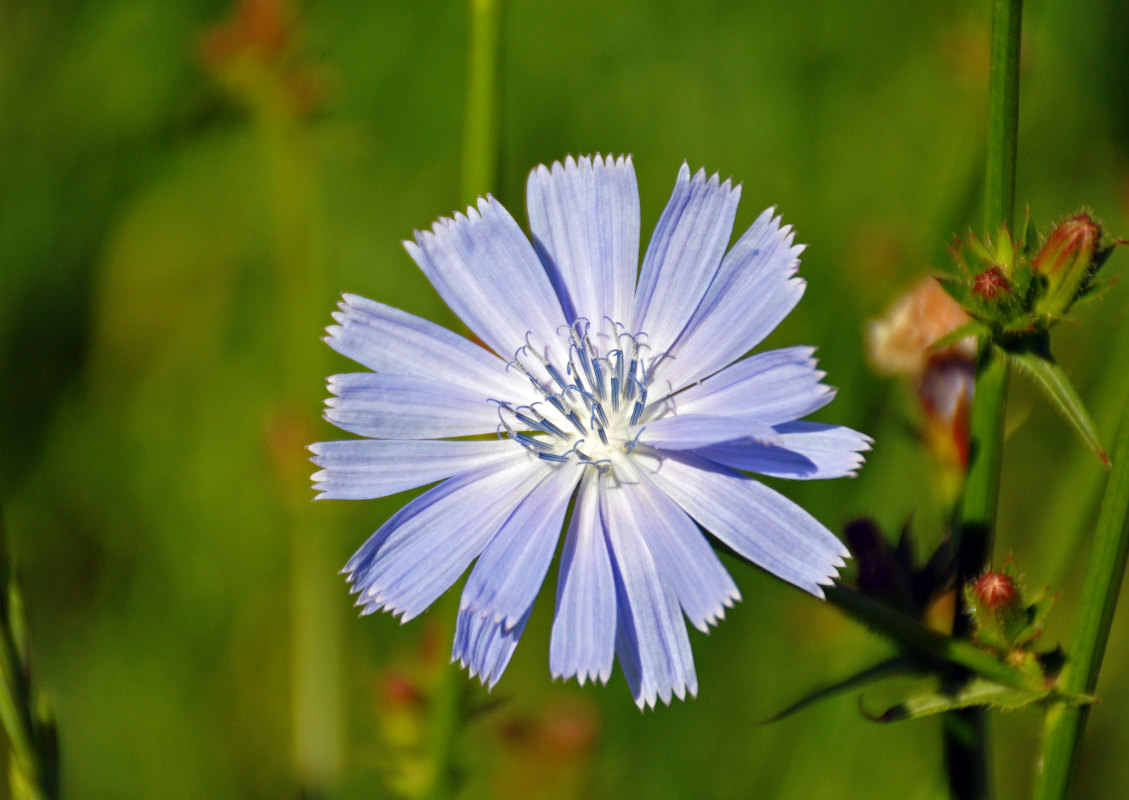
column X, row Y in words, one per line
column 479, row 176
column 316, row 642
column 965, row 731
column 1003, row 115
column 481, row 131
column 1065, row 724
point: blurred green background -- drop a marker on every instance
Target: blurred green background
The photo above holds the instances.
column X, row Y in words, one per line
column 186, row 188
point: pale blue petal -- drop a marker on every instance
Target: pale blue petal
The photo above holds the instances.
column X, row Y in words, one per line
column 386, row 339
column 651, row 638
column 772, row 387
column 754, row 290
column 485, row 269
column 484, row 647
column 807, row 451
column 363, row 469
column 683, row 256
column 386, row 406
column 685, row 559
column 423, row 549
column 584, row 216
column 583, row 639
column 509, row 573
column 758, row 523
column 692, row 431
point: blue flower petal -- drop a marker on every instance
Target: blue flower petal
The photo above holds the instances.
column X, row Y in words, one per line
column 483, row 646
column 386, row 339
column 683, row 256
column 692, row 431
column 363, row 469
column 651, row 639
column 584, row 216
column 583, row 639
column 684, row 557
column 485, row 269
column 807, row 451
column 755, row 289
column 772, row 387
column 509, row 573
column 758, row 523
column 386, row 406
column 423, row 549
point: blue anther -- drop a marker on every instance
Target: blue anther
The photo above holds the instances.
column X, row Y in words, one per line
column 556, row 376
column 553, row 457
column 525, row 440
column 540, row 424
column 556, row 403
column 636, row 412
column 576, row 423
column 599, row 374
column 599, row 411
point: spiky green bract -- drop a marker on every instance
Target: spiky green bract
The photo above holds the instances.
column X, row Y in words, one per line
column 1015, row 294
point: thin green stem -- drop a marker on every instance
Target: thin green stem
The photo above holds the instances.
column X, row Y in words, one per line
column 481, row 131
column 965, row 731
column 479, row 175
column 316, row 640
column 1064, row 723
column 1003, row 115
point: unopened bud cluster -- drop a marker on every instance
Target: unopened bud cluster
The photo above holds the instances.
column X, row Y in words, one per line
column 1009, row 288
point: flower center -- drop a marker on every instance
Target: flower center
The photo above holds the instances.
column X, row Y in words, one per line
column 590, row 407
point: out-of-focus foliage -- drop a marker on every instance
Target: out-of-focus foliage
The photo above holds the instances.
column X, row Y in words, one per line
column 155, row 230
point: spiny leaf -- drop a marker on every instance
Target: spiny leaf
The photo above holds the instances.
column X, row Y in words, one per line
column 1034, row 359
column 974, row 692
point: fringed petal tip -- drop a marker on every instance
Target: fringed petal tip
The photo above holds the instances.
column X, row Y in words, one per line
column 712, row 181
column 585, row 162
column 601, row 676
column 715, row 617
column 650, row 699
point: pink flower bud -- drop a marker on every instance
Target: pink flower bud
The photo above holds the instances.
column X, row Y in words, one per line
column 1067, row 262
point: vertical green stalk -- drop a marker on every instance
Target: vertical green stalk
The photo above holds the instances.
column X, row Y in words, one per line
column 1064, row 724
column 315, row 632
column 965, row 731
column 1003, row 116
column 481, row 131
column 479, row 176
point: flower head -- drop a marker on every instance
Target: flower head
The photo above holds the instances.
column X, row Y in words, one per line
column 625, row 399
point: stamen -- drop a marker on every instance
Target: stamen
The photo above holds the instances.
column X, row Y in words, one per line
column 540, row 423
column 601, row 394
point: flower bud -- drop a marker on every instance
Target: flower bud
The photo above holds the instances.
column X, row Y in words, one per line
column 991, row 283
column 995, row 602
column 996, row 592
column 1067, row 261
